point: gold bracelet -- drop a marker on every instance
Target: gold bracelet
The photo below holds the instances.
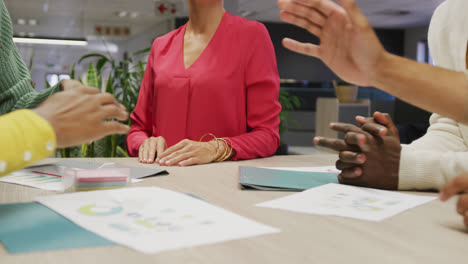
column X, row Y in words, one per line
column 220, row 159
column 226, row 155
column 217, row 143
column 230, row 148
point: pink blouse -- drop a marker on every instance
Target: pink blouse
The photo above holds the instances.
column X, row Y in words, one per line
column 231, row 91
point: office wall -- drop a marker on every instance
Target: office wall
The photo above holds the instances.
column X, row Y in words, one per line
column 295, row 66
column 412, row 37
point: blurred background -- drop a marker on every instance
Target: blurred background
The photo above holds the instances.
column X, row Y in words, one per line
column 116, row 29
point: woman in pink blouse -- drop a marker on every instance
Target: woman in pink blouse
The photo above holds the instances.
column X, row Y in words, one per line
column 216, row 75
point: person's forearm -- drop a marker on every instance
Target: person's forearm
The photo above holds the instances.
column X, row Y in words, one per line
column 431, row 88
column 25, row 138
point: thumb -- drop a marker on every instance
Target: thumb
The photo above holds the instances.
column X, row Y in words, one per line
column 455, row 186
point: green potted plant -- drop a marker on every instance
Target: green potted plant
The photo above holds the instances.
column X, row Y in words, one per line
column 124, row 81
column 288, row 103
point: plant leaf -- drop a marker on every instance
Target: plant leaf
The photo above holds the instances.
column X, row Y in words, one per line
column 143, row 51
column 72, row 72
column 91, row 55
column 91, row 76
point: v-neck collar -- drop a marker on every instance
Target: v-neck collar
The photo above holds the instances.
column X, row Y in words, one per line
column 182, row 59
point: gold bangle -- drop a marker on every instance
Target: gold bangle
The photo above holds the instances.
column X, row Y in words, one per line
column 230, row 147
column 226, row 155
column 207, row 134
column 220, row 159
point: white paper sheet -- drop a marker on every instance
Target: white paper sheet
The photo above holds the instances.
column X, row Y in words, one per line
column 36, row 180
column 151, row 219
column 348, row 201
column 307, row 169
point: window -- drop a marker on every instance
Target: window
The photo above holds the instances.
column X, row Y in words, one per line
column 54, row 78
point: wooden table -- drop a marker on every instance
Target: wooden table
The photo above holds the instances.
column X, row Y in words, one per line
column 432, row 233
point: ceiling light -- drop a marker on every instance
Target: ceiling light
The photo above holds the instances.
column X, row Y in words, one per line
column 32, row 22
column 21, row 21
column 134, row 14
column 44, row 41
column 122, row 13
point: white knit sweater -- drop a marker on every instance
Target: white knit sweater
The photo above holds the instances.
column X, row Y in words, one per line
column 442, row 154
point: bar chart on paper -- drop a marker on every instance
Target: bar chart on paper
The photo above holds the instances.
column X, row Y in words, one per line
column 36, row 180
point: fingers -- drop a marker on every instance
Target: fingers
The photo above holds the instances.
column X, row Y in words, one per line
column 152, row 150
column 140, row 153
column 343, row 165
column 301, row 22
column 113, row 111
column 161, row 147
column 107, row 98
column 325, row 7
column 462, row 205
column 375, row 129
column 455, row 186
column 350, row 174
column 114, row 127
column 358, row 139
column 362, row 120
column 179, row 157
column 190, row 162
column 386, row 120
column 171, row 150
column 352, row 157
column 345, row 128
column 300, row 9
column 334, row 144
column 302, row 48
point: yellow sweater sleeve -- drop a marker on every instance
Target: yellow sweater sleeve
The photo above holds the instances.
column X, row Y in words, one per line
column 25, row 138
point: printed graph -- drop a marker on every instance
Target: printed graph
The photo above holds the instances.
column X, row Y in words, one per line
column 35, row 180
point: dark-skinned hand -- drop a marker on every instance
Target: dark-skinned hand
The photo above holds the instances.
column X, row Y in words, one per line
column 458, row 185
column 368, row 156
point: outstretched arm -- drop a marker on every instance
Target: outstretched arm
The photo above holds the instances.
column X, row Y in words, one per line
column 350, row 47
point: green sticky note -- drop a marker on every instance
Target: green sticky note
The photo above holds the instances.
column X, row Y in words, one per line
column 31, row 227
column 271, row 179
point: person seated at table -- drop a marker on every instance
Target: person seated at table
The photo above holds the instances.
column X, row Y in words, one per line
column 371, row 156
column 16, row 89
column 350, row 47
column 213, row 80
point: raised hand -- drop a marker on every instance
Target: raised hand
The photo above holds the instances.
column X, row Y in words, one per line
column 82, row 114
column 348, row 44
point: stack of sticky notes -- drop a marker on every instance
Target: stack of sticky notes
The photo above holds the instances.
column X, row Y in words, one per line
column 100, row 179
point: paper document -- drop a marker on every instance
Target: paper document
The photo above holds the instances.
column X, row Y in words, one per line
column 151, row 219
column 44, row 181
column 348, row 201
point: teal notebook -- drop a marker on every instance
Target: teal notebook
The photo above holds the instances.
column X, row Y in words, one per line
column 283, row 180
column 30, row 227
